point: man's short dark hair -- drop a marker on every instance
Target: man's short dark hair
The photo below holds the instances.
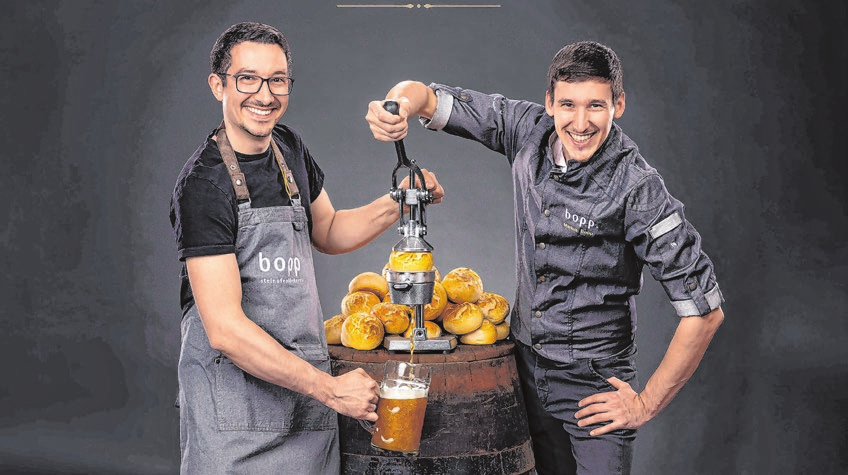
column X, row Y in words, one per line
column 583, row 61
column 220, row 58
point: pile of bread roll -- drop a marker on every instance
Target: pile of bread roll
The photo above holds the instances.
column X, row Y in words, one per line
column 460, row 306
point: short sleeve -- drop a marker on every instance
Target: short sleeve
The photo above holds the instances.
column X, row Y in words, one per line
column 204, row 219
column 314, row 174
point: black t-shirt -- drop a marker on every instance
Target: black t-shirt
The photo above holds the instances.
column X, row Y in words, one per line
column 204, row 210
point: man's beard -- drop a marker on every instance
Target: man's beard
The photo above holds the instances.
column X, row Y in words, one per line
column 258, row 133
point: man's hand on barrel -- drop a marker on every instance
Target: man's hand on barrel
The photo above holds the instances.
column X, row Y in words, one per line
column 355, row 394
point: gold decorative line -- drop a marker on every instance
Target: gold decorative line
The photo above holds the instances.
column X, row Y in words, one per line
column 418, row 5
column 430, row 5
column 408, row 5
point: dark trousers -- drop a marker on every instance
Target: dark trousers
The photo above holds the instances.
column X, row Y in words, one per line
column 551, row 392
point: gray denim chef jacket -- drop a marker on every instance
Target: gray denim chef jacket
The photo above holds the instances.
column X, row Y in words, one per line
column 582, row 233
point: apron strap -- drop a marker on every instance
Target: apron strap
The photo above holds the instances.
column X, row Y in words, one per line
column 237, row 177
column 288, row 177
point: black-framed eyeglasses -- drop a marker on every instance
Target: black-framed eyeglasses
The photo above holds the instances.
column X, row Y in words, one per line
column 251, row 84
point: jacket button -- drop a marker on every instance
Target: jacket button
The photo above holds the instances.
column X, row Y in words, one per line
column 541, row 245
column 538, row 314
column 538, row 346
column 547, row 212
column 693, row 286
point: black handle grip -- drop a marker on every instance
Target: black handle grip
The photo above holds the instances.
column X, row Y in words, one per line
column 392, row 106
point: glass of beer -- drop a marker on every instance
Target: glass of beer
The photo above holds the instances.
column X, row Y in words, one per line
column 400, row 412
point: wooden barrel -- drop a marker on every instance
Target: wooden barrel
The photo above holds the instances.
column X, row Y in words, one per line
column 475, row 422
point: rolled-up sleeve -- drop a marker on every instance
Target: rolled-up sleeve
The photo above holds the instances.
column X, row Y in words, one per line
column 500, row 124
column 444, row 105
column 671, row 247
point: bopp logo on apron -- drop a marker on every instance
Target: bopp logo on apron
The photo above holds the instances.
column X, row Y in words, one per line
column 280, row 270
column 279, row 264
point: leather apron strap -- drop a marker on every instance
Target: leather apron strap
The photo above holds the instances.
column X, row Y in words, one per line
column 233, row 168
column 291, row 185
column 236, row 175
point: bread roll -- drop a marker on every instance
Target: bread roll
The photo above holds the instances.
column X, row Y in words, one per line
column 395, row 317
column 362, row 331
column 495, row 307
column 485, row 335
column 450, row 307
column 369, row 282
column 463, row 285
column 401, row 261
column 436, row 306
column 433, row 329
column 437, row 277
column 503, row 330
column 360, row 301
column 464, row 318
column 333, row 329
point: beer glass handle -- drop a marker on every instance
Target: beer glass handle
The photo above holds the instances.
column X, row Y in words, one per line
column 367, row 426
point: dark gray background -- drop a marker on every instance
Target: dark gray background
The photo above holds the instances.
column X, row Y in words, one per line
column 739, row 104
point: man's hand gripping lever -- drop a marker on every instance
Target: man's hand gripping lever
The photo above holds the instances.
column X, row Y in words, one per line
column 416, row 196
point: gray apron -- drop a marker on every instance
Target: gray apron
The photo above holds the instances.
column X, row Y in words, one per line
column 230, row 421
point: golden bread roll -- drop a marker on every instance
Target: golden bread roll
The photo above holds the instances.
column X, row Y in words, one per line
column 437, row 277
column 450, row 307
column 463, row 285
column 436, row 306
column 359, row 301
column 464, row 318
column 433, row 330
column 485, row 335
column 369, row 282
column 362, row 331
column 503, row 330
column 495, row 307
column 395, row 317
column 401, row 261
column 333, row 329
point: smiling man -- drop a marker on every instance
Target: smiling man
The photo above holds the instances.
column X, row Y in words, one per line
column 590, row 213
column 255, row 393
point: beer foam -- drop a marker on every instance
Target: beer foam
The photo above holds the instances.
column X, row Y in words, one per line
column 403, row 393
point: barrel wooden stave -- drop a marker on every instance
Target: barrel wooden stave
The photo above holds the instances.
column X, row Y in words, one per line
column 475, row 420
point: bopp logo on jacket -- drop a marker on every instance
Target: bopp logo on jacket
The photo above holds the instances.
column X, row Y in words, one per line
column 578, row 220
column 279, row 264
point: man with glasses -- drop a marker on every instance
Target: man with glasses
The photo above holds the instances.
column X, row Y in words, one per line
column 255, row 393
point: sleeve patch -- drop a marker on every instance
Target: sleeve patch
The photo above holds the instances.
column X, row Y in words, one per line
column 665, row 225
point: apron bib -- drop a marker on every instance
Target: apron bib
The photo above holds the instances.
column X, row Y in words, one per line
column 231, row 421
